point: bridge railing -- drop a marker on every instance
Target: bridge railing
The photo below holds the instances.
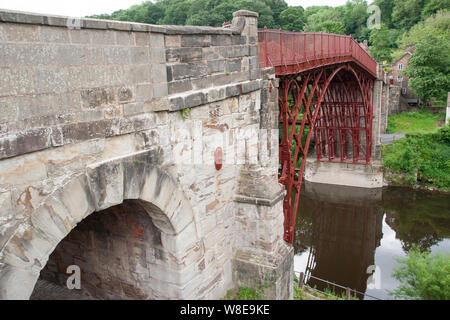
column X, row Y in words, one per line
column 279, row 48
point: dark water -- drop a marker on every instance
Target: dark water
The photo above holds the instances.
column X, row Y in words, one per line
column 342, row 231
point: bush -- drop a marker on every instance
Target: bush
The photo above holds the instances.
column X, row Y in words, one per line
column 423, row 158
column 422, row 276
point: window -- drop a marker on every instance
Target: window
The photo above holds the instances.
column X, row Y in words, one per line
column 400, row 79
column 403, row 91
column 400, row 66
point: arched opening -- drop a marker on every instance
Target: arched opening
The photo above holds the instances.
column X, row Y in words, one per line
column 119, row 254
column 342, row 131
column 147, row 195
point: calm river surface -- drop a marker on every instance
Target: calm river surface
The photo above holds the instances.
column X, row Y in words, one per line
column 343, row 231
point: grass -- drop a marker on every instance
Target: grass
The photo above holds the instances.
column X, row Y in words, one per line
column 420, row 160
column 305, row 293
column 420, row 121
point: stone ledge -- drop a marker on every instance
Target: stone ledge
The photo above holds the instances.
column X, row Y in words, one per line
column 245, row 13
column 36, row 139
column 260, row 201
column 196, row 98
column 89, row 23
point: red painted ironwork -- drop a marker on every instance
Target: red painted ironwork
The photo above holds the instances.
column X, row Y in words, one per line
column 218, row 158
column 326, row 88
column 294, row 52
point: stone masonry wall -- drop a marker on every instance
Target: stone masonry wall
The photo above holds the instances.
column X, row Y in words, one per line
column 74, row 99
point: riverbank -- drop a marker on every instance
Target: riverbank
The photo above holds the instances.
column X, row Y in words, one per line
column 421, row 159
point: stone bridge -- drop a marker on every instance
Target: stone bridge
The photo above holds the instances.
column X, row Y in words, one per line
column 170, row 131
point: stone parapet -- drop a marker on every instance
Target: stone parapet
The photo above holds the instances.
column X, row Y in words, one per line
column 13, row 16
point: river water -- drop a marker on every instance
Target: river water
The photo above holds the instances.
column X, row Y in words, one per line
column 352, row 236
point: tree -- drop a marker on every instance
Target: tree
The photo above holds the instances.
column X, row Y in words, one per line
column 423, row 277
column 354, row 15
column 293, row 19
column 438, row 25
column 386, row 8
column 434, row 6
column 325, row 19
column 407, row 13
column 429, row 68
column 381, row 45
column 277, row 6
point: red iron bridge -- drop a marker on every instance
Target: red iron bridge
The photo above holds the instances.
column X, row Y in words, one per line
column 326, row 104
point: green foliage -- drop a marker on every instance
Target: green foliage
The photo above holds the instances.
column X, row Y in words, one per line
column 433, row 6
column 381, row 49
column 185, row 113
column 245, row 293
column 423, row 158
column 293, row 19
column 437, row 25
column 423, row 276
column 429, row 68
column 407, row 13
column 386, row 7
column 326, row 19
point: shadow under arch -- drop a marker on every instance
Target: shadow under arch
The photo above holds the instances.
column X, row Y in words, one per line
column 136, row 177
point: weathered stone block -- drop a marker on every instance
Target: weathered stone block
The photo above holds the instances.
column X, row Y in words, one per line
column 157, row 55
column 50, row 80
column 156, row 40
column 188, row 70
column 125, row 38
column 125, row 94
column 233, row 65
column 54, row 34
column 172, row 41
column 24, row 142
column 160, row 90
column 102, row 37
column 97, row 97
column 15, row 82
column 217, row 66
column 183, row 55
column 21, row 33
column 106, row 183
column 195, row 40
column 195, row 99
column 179, row 86
column 221, row 40
column 158, row 73
column 144, row 92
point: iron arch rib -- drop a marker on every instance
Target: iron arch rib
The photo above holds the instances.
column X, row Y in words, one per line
column 335, row 104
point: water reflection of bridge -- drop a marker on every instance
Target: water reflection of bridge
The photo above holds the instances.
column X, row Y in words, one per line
column 344, row 235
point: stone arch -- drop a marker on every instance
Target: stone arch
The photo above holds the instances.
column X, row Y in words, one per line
column 103, row 185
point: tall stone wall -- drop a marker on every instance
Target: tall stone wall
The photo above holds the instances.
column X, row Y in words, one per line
column 396, row 103
column 96, row 94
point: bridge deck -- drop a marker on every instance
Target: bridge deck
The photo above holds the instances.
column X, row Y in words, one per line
column 295, row 52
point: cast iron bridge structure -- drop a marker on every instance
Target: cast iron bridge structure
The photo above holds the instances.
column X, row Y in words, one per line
column 326, row 88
